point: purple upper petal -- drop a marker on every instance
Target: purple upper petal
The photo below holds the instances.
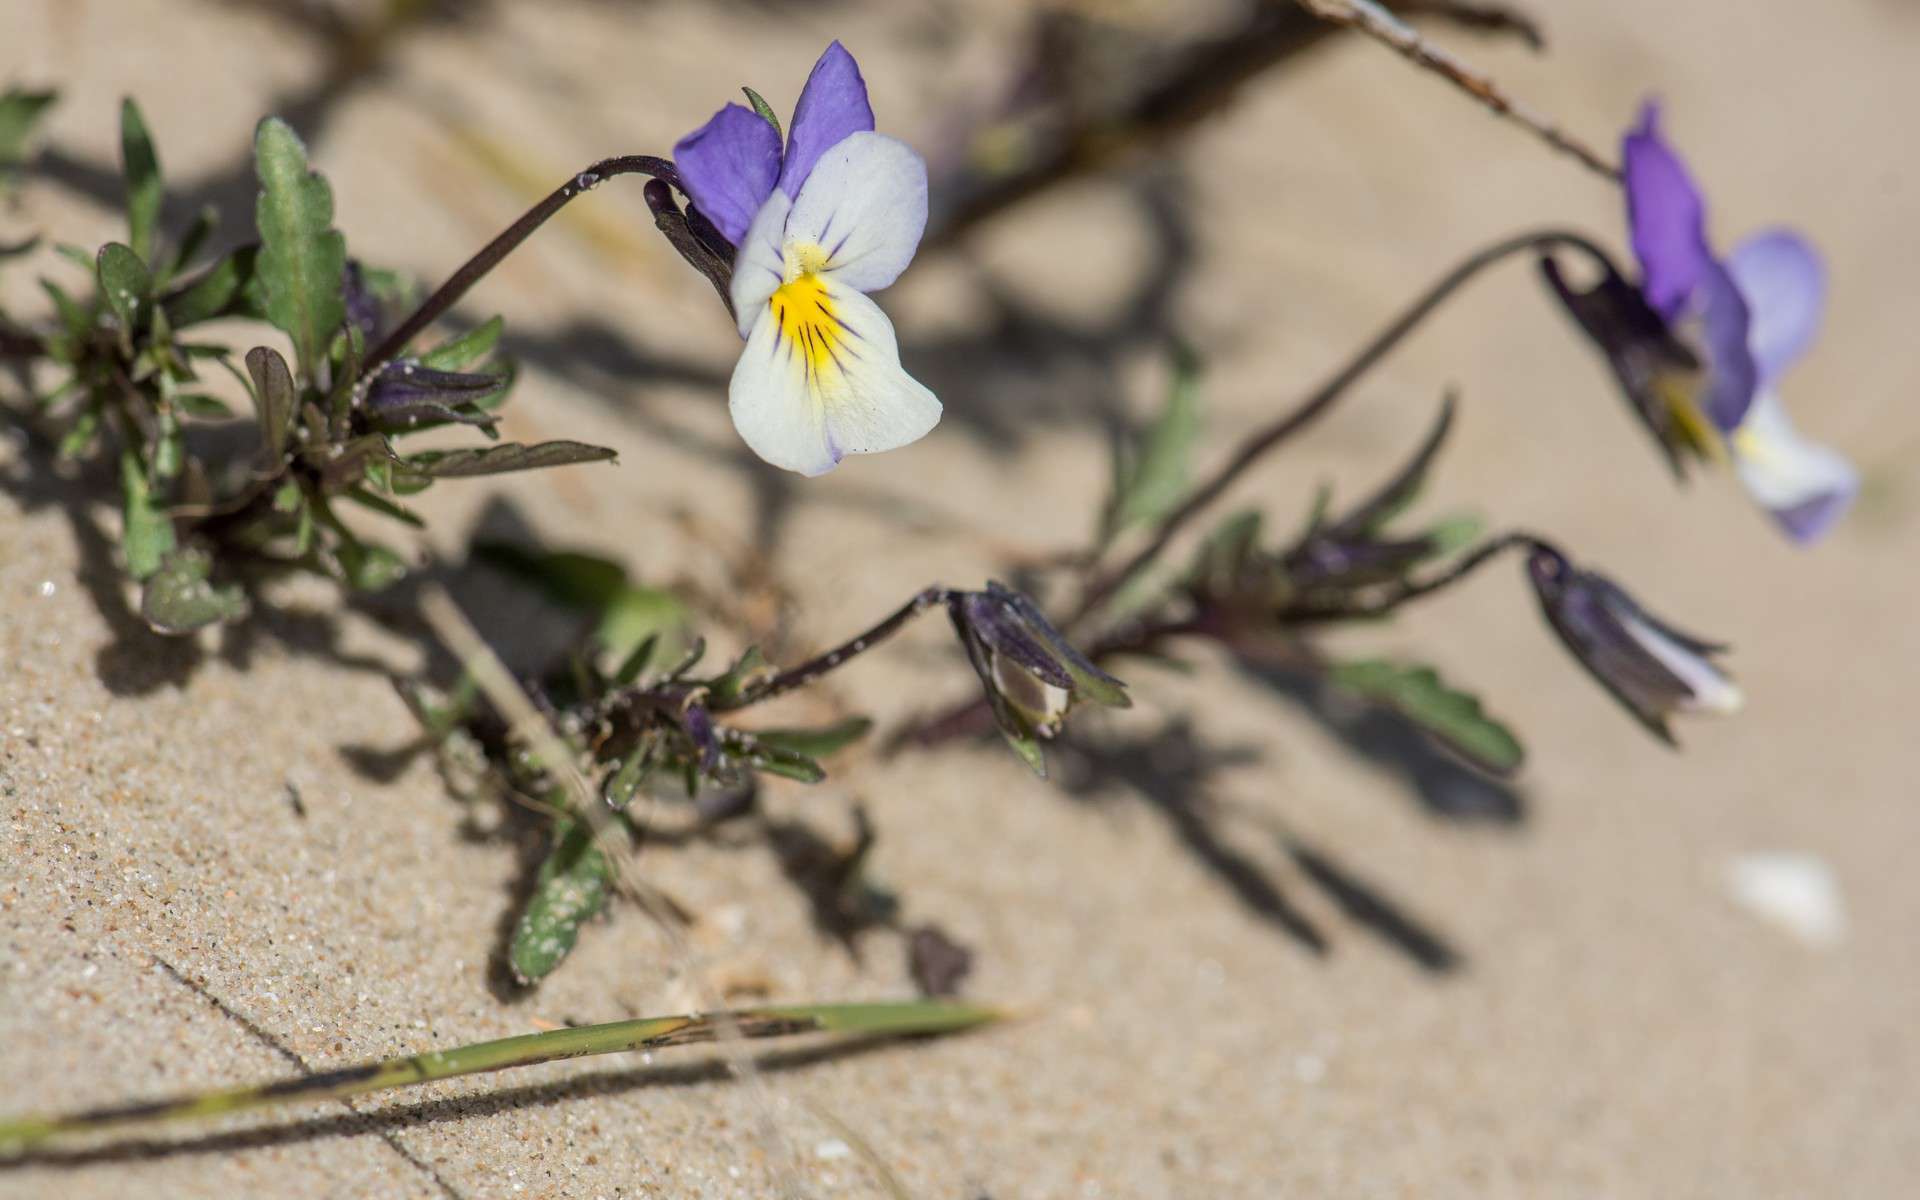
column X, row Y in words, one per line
column 1665, row 216
column 729, row 166
column 832, row 105
column 1785, row 286
column 1732, row 378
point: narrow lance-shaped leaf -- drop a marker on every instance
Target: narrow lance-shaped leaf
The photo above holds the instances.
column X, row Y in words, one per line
column 220, row 291
column 498, row 460
column 20, row 112
column 1150, row 479
column 303, row 260
column 141, row 167
column 465, row 350
column 1454, row 717
column 816, row 742
column 572, row 887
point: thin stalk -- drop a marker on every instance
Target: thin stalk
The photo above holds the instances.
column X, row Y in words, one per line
column 493, row 252
column 924, row 1017
column 815, row 667
column 1399, row 593
column 1318, row 403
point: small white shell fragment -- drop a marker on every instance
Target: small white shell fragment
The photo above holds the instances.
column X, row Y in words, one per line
column 1796, row 893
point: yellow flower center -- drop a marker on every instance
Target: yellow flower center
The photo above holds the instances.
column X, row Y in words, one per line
column 804, row 312
column 1679, row 390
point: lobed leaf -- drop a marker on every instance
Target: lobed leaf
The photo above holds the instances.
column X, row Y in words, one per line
column 302, row 260
column 1454, row 717
column 181, row 596
column 146, row 532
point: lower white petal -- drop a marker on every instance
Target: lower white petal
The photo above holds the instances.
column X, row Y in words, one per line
column 759, row 263
column 820, row 378
column 1806, row 486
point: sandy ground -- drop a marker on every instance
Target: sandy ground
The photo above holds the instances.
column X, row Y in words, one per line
column 1617, row 1025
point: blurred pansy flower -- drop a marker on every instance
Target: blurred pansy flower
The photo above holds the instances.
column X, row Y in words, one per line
column 837, row 215
column 1033, row 676
column 1654, row 670
column 1700, row 345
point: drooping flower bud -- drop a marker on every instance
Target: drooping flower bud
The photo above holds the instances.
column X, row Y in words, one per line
column 1651, row 668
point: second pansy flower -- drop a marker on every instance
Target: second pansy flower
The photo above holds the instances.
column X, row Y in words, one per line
column 839, row 214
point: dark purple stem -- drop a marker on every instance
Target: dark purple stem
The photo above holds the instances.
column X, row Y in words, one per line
column 813, row 668
column 493, row 252
column 1317, row 404
column 1411, row 589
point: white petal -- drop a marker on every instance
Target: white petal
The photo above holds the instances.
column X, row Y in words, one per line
column 1712, row 691
column 1785, row 286
column 865, row 206
column 1806, row 486
column 759, row 265
column 820, row 378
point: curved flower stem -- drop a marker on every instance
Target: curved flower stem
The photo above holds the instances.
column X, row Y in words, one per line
column 819, row 665
column 911, row 1018
column 490, row 255
column 1411, row 589
column 1318, row 403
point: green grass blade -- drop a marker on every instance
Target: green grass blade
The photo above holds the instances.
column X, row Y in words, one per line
column 896, row 1020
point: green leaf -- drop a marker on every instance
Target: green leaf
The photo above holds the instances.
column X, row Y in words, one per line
column 572, row 887
column 74, row 443
column 199, row 404
column 629, row 614
column 195, row 237
column 180, row 597
column 1453, row 534
column 785, row 763
column 141, row 167
column 746, row 670
column 369, row 566
column 125, row 283
column 20, row 111
column 302, row 261
column 1151, row 478
column 1454, row 717
column 621, row 786
column 815, row 743
column 273, row 398
column 466, row 349
column 764, row 109
column 146, row 533
column 215, row 292
column 498, row 460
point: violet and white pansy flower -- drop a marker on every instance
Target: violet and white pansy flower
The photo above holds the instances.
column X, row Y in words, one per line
column 816, row 228
column 1746, row 317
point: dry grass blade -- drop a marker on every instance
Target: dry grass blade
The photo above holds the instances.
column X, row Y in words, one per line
column 1376, row 22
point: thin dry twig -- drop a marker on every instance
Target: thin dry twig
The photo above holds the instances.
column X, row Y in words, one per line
column 1368, row 17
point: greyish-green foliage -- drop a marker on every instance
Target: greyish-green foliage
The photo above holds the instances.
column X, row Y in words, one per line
column 127, row 375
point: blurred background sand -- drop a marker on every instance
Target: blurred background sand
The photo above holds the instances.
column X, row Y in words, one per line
column 1614, row 1023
